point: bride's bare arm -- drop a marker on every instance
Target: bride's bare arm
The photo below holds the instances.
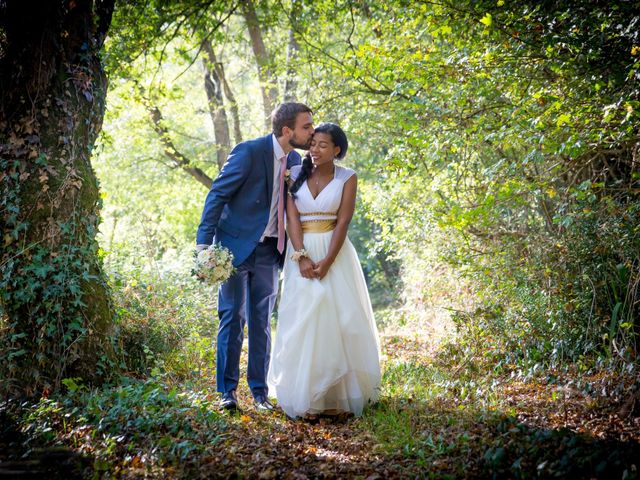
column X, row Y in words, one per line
column 294, row 229
column 345, row 213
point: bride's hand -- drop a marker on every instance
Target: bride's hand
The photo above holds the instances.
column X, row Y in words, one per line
column 321, row 268
column 306, row 267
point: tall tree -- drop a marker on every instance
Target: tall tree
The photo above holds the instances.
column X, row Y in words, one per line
column 213, row 85
column 57, row 312
column 231, row 101
column 293, row 49
column 266, row 76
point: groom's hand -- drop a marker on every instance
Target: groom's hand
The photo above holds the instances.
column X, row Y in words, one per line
column 201, row 247
column 306, row 267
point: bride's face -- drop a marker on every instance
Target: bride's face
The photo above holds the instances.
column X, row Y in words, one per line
column 322, row 149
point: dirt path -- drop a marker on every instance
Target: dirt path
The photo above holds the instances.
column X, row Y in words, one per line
column 270, row 445
column 534, row 427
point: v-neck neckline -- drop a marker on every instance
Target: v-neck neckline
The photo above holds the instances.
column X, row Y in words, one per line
column 335, row 167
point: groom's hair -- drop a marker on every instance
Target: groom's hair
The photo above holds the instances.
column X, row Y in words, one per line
column 285, row 115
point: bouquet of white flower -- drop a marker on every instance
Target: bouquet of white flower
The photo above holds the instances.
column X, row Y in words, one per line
column 213, row 264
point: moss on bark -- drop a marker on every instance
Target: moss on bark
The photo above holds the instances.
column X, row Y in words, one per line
column 57, row 314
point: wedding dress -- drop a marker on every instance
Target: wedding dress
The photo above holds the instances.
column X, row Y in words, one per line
column 326, row 355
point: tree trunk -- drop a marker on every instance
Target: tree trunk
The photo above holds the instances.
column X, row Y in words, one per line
column 293, row 48
column 231, row 101
column 213, row 87
column 265, row 73
column 57, row 315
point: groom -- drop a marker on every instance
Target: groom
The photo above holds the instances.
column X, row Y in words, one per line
column 244, row 211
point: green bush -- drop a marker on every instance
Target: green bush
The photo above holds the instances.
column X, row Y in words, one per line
column 164, row 321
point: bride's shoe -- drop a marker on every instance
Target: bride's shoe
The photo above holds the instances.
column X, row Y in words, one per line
column 311, row 418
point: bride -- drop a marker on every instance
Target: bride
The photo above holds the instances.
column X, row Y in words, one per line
column 326, row 354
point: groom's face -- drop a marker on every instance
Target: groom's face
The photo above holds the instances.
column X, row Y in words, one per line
column 302, row 133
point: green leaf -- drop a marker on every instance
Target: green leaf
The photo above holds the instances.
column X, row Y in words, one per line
column 613, row 325
column 563, row 119
column 487, row 20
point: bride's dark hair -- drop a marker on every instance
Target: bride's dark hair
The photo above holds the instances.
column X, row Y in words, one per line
column 339, row 139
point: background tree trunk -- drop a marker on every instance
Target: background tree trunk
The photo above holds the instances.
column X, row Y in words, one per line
column 293, row 48
column 213, row 87
column 265, row 73
column 57, row 315
column 231, row 102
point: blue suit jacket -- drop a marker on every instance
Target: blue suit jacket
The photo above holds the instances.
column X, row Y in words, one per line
column 236, row 210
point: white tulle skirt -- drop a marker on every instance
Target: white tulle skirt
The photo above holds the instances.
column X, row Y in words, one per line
column 326, row 355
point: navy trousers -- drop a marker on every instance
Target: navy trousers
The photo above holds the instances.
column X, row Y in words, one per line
column 247, row 298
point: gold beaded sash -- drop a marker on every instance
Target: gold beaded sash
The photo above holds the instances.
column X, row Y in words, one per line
column 318, row 226
column 320, row 214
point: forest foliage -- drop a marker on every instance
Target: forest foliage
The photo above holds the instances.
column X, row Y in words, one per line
column 497, row 144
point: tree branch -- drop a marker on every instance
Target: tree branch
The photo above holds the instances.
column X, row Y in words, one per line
column 178, row 159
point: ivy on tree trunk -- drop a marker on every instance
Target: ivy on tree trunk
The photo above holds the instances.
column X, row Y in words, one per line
column 56, row 311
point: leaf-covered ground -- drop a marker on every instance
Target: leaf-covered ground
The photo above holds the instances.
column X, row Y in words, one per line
column 438, row 417
column 551, row 425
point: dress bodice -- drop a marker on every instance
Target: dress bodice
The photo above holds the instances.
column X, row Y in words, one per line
column 325, row 206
